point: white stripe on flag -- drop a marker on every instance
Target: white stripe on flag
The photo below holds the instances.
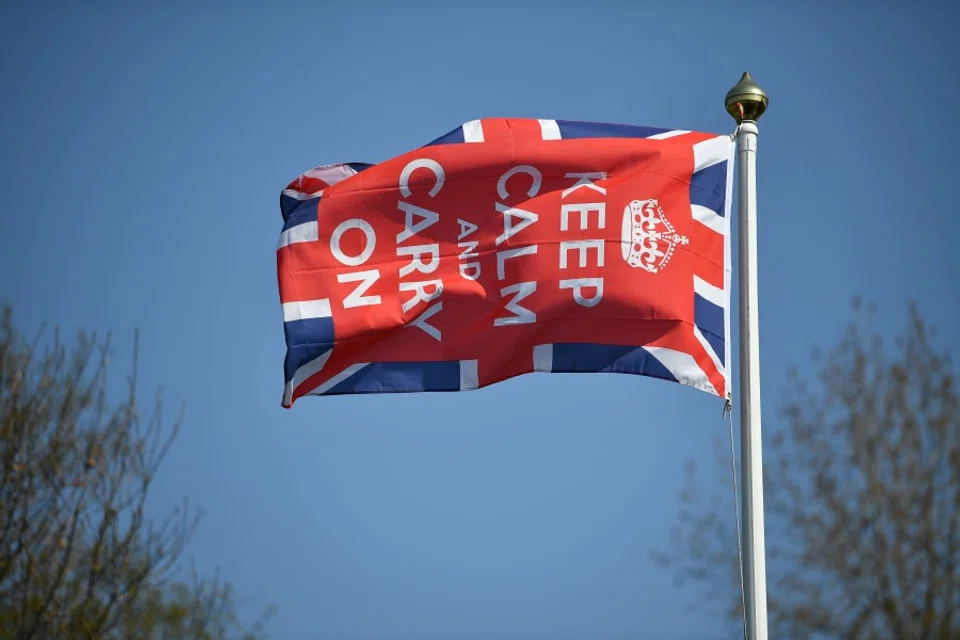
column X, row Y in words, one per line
column 543, row 358
column 337, row 379
column 668, row 134
column 549, row 130
column 712, row 293
column 304, row 372
column 306, row 232
column 468, row 375
column 711, row 152
column 300, row 195
column 332, row 174
column 683, row 367
column 709, row 349
column 473, row 131
column 708, row 217
column 306, row 309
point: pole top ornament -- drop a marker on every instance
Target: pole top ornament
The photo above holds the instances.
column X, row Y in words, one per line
column 746, row 101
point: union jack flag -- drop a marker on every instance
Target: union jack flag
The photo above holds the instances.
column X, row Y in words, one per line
column 506, row 247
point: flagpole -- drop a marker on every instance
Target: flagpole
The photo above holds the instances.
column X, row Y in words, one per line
column 746, row 102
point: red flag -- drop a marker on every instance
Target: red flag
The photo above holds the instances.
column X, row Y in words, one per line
column 510, row 246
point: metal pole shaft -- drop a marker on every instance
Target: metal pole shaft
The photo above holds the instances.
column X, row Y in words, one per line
column 751, row 454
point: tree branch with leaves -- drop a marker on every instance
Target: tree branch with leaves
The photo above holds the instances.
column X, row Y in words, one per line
column 79, row 556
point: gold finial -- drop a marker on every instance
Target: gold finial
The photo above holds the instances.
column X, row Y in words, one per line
column 746, row 100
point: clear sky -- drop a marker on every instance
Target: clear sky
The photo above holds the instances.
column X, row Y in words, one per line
column 143, row 151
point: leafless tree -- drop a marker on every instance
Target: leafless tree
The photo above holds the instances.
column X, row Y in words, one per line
column 79, row 556
column 862, row 482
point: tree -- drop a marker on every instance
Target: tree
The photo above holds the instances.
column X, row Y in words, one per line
column 79, row 556
column 862, row 498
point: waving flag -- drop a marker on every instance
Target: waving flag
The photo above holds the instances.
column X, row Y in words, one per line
column 505, row 247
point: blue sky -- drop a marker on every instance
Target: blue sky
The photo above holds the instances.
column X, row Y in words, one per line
column 143, row 150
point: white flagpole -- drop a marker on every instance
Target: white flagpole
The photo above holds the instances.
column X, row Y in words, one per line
column 746, row 102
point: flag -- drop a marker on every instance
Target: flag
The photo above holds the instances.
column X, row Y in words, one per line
column 506, row 247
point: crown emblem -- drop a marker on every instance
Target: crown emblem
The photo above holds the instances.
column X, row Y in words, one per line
column 647, row 238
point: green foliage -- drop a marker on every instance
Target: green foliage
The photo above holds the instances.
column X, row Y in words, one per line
column 79, row 556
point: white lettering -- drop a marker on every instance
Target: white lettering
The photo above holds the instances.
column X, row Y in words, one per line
column 586, row 180
column 421, row 321
column 466, row 228
column 521, row 315
column 582, row 246
column 366, row 280
column 506, row 254
column 424, row 258
column 583, row 209
column 421, row 163
column 464, row 266
column 579, row 284
column 468, row 250
column 420, row 292
column 524, row 168
column 370, row 241
column 417, row 263
column 509, row 229
column 410, row 228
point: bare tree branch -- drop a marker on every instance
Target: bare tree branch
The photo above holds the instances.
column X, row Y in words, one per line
column 862, row 478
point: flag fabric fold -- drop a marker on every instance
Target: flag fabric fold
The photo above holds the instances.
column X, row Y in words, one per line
column 506, row 247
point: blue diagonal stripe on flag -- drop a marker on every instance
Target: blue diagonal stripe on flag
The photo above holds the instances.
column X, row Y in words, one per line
column 708, row 187
column 402, row 377
column 571, row 129
column 708, row 316
column 302, row 212
column 709, row 183
column 467, row 132
column 308, row 330
column 656, row 362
